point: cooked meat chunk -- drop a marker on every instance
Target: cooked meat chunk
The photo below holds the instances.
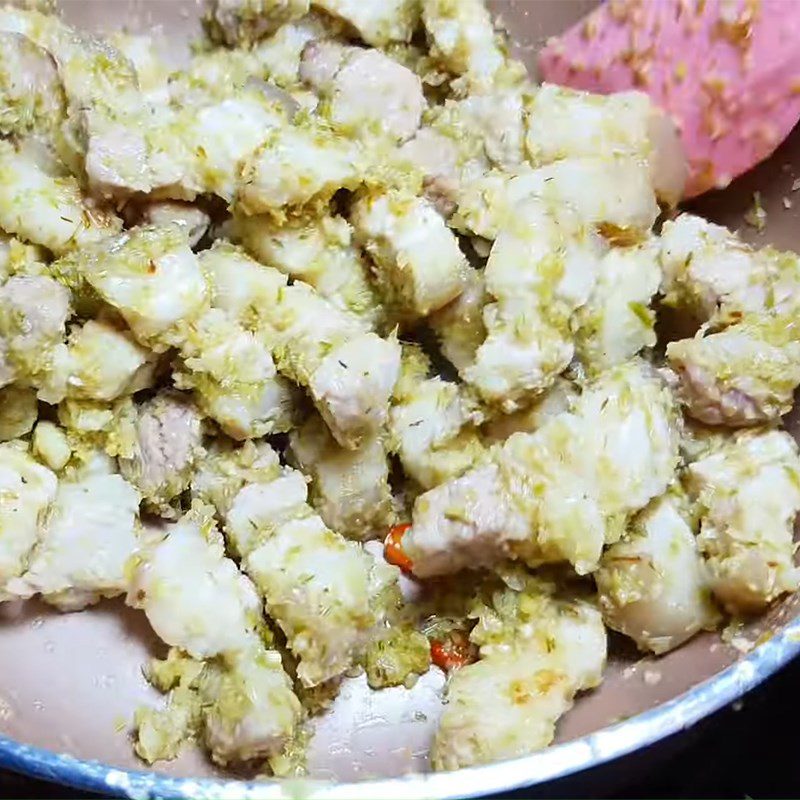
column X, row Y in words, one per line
column 748, row 497
column 168, row 441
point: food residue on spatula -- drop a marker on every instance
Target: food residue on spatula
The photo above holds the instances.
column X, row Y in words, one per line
column 727, row 71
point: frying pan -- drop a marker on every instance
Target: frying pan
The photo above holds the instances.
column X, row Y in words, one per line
column 69, row 682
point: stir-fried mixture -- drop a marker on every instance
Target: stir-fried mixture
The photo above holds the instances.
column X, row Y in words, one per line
column 350, row 275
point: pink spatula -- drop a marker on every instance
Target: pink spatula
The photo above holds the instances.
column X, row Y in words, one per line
column 727, row 71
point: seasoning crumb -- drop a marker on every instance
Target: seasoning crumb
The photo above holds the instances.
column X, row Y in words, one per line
column 652, row 677
column 756, row 217
column 733, row 635
column 629, row 672
column 795, row 184
column 738, row 705
column 787, row 203
column 742, row 644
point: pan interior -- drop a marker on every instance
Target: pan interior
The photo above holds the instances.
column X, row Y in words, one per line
column 70, row 683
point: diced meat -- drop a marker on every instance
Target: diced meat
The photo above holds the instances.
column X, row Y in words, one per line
column 653, row 585
column 743, row 375
column 168, row 441
column 366, row 90
column 748, row 496
column 84, row 547
column 235, row 22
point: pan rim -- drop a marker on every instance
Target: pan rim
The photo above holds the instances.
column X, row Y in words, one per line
column 559, row 761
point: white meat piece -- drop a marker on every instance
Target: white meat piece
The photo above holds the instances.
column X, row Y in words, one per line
column 107, row 112
column 633, row 427
column 744, row 375
column 617, row 321
column 143, row 51
column 279, row 55
column 236, row 22
column 377, row 22
column 46, row 210
column 167, row 444
column 318, row 251
column 251, row 711
column 460, row 143
column 323, row 591
column 87, row 65
column 97, row 431
column 101, row 134
column 561, row 493
column 17, row 258
column 201, row 147
column 226, row 468
column 116, row 153
column 18, row 412
column 51, row 445
column 560, row 397
column 215, row 75
column 352, row 386
column 459, row 326
column 468, row 522
column 194, row 597
column 151, row 276
column 367, row 92
column 748, row 496
column 622, row 206
column 349, row 371
column 653, row 584
column 241, row 705
column 241, row 287
column 489, row 124
column 109, row 117
column 539, row 272
column 508, row 703
column 179, row 152
column 271, row 64
column 463, row 39
column 432, row 425
column 320, row 60
column 194, row 219
column 273, row 498
column 226, row 133
column 564, row 123
column 102, row 361
column 234, row 378
column 327, row 594
column 27, row 489
column 519, row 358
column 31, row 98
column 33, row 315
column 297, row 164
column 442, row 163
column 714, row 275
column 420, row 265
column 349, row 488
column 89, row 535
